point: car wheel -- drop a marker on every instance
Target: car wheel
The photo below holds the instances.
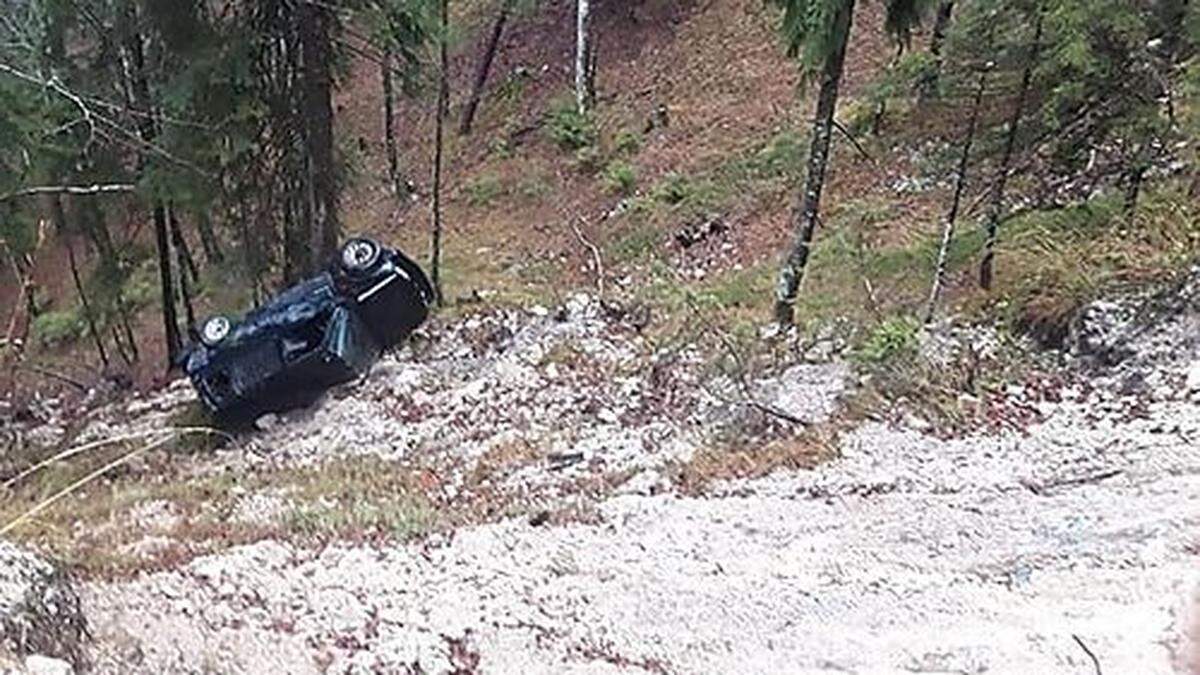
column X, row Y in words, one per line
column 215, row 330
column 360, row 255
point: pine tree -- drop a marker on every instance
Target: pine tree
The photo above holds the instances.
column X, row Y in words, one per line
column 818, row 33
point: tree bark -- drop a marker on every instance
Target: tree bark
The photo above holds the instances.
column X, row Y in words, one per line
column 187, row 263
column 937, row 39
column 435, row 263
column 582, row 27
column 208, row 239
column 139, row 91
column 187, row 266
column 996, row 204
column 939, row 273
column 806, row 212
column 88, row 316
column 389, row 124
column 316, row 34
column 485, row 67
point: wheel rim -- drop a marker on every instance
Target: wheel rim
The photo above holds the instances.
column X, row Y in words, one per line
column 358, row 255
column 215, row 329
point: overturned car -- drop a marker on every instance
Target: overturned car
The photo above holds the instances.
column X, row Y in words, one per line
column 318, row 333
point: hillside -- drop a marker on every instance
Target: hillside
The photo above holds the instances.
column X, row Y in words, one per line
column 601, row 455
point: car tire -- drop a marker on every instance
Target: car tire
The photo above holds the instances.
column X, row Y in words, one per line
column 360, row 256
column 215, row 330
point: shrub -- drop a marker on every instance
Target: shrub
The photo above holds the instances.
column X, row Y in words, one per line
column 673, row 189
column 52, row 328
column 483, row 190
column 897, row 336
column 570, row 129
column 588, row 159
column 627, row 142
column 620, row 178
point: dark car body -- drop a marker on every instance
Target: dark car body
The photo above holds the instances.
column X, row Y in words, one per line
column 320, row 332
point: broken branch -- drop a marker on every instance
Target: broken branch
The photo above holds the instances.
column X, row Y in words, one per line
column 595, row 257
column 70, row 190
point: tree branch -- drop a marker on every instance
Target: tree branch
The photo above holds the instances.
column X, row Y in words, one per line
column 850, row 137
column 70, row 190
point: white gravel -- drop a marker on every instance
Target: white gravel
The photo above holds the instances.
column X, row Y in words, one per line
column 1007, row 552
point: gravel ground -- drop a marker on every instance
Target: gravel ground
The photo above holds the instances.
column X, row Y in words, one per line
column 1015, row 552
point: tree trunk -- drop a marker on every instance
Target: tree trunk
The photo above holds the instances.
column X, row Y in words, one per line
column 582, row 19
column 941, row 24
column 208, row 240
column 187, row 266
column 187, row 263
column 939, row 273
column 88, row 316
column 389, row 124
column 996, row 205
column 1134, row 176
column 435, row 263
column 139, row 92
column 170, row 320
column 485, row 67
column 316, row 34
column 807, row 209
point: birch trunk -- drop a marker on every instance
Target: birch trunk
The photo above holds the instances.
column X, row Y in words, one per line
column 582, row 12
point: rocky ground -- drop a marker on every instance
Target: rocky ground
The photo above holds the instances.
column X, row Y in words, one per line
column 1067, row 545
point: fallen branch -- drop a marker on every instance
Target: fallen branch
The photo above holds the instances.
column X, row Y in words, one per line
column 1084, row 647
column 1038, row 489
column 748, row 397
column 80, row 449
column 70, row 190
column 854, row 141
column 70, row 489
column 46, row 372
column 595, row 256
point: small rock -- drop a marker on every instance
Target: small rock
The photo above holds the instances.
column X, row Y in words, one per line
column 37, row 664
column 917, row 423
column 266, row 422
column 539, row 311
column 39, row 608
column 645, row 484
column 1193, row 377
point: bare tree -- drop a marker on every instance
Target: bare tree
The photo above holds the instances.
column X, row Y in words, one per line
column 937, row 40
column 389, row 122
column 435, row 263
column 138, row 88
column 485, row 66
column 996, row 204
column 960, row 182
column 88, row 315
